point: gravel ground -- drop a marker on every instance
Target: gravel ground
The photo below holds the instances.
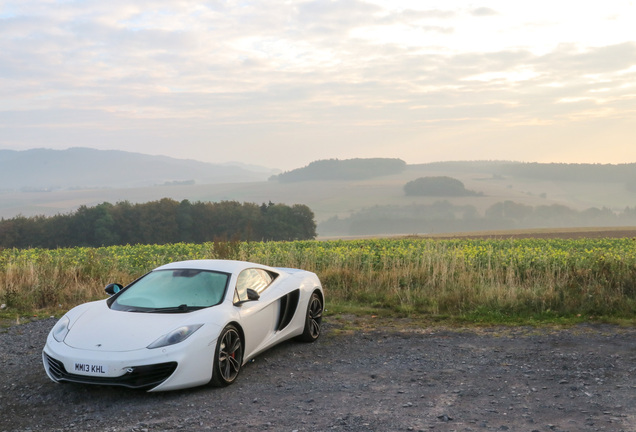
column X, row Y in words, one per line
column 386, row 376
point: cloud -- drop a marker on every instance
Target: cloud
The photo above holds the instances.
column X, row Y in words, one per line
column 594, row 60
column 483, row 11
column 188, row 75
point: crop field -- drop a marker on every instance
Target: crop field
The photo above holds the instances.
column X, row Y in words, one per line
column 465, row 278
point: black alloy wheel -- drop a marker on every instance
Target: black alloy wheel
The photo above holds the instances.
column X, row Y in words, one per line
column 228, row 357
column 313, row 320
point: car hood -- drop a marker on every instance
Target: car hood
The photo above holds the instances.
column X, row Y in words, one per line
column 103, row 329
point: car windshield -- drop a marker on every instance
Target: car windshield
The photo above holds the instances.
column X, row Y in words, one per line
column 173, row 291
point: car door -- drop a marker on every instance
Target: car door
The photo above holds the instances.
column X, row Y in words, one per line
column 258, row 317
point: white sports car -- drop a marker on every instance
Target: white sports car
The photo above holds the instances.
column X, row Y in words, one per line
column 184, row 324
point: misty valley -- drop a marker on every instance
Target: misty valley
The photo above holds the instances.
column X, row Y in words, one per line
column 346, row 197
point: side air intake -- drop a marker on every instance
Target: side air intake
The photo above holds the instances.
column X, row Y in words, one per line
column 288, row 306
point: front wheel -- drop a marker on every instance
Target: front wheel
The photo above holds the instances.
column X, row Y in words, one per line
column 313, row 320
column 228, row 357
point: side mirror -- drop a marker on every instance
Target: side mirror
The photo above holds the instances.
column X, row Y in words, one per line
column 113, row 288
column 252, row 295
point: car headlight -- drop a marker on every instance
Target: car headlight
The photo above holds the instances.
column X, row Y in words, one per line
column 60, row 329
column 175, row 336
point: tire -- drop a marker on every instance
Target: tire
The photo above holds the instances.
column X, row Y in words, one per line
column 313, row 319
column 228, row 357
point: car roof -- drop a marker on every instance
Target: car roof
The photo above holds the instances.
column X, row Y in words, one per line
column 228, row 266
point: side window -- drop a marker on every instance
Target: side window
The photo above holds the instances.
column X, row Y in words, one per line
column 256, row 279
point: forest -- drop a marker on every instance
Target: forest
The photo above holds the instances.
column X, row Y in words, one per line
column 160, row 222
column 437, row 186
column 348, row 169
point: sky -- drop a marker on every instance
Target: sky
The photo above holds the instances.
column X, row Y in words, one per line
column 283, row 83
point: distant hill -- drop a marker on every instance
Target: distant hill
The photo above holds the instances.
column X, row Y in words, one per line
column 83, row 168
column 347, row 169
column 560, row 172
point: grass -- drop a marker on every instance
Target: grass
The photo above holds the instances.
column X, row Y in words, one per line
column 452, row 281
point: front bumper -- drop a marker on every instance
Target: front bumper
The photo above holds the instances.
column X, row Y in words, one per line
column 187, row 364
column 137, row 377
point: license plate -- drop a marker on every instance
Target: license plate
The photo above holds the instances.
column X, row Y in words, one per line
column 90, row 368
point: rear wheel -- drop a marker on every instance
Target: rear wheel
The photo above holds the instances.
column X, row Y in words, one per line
column 313, row 320
column 228, row 357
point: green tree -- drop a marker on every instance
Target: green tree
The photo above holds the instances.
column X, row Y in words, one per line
column 158, row 221
column 281, row 222
column 509, row 210
column 105, row 232
column 436, row 186
column 185, row 221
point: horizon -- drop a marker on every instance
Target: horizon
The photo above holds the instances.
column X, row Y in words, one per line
column 283, row 84
column 229, row 162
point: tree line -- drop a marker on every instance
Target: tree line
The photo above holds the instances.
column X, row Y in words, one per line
column 160, row 222
column 442, row 216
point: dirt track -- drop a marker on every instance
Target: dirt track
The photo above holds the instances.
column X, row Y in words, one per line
column 387, row 379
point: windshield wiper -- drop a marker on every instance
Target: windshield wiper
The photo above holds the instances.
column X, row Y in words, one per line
column 174, row 309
